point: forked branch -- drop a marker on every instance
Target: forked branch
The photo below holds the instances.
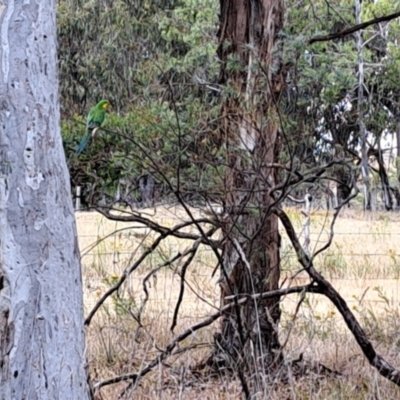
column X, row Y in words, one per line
column 134, row 266
column 176, row 231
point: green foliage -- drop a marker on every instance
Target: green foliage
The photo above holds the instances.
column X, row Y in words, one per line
column 150, row 141
column 121, row 49
column 325, row 72
column 156, row 61
column 157, row 84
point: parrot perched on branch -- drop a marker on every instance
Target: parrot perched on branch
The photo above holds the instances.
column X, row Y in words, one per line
column 95, row 119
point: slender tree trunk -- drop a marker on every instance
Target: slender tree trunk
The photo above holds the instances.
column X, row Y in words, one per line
column 398, row 161
column 384, row 181
column 41, row 307
column 251, row 255
column 360, row 110
column 344, row 184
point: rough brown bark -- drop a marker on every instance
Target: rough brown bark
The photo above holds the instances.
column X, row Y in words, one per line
column 251, row 255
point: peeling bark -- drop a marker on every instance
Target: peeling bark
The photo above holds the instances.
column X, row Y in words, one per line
column 41, row 305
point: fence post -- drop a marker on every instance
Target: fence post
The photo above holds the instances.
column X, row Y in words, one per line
column 78, row 198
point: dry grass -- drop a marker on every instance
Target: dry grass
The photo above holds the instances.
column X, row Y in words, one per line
column 363, row 264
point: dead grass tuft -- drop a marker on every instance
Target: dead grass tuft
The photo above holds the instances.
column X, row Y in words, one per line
column 363, row 264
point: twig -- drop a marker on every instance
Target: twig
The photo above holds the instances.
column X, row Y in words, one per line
column 123, row 277
column 167, row 263
column 129, row 270
column 193, row 252
column 306, row 212
column 134, row 377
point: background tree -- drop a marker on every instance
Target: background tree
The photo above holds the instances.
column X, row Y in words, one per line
column 325, row 74
column 250, row 75
column 41, row 308
column 230, row 141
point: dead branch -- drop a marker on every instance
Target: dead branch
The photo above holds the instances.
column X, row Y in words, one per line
column 175, row 231
column 154, row 271
column 134, row 377
column 383, row 367
column 355, row 28
column 182, row 285
column 134, row 266
column 123, row 277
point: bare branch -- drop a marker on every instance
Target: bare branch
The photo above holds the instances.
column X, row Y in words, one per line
column 182, row 286
column 154, row 271
column 383, row 367
column 123, row 277
column 129, row 270
column 175, row 231
column 355, row 28
column 134, row 377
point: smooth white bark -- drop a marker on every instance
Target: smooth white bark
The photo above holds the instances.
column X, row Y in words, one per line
column 41, row 306
column 360, row 110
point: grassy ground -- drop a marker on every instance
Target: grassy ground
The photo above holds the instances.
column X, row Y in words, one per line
column 363, row 263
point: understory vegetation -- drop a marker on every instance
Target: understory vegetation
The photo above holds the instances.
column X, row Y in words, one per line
column 325, row 360
column 156, row 61
column 246, row 189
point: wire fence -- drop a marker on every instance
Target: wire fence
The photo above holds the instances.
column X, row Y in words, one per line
column 363, row 266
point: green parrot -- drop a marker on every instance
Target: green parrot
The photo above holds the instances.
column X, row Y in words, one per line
column 95, row 119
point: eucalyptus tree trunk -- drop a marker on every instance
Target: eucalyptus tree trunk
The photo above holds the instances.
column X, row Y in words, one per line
column 360, row 111
column 398, row 160
column 387, row 196
column 41, row 307
column 248, row 34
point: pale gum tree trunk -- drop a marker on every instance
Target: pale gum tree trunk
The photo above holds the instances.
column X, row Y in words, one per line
column 248, row 32
column 41, row 307
column 360, row 110
column 398, row 160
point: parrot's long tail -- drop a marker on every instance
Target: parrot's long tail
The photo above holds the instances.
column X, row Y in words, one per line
column 83, row 143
